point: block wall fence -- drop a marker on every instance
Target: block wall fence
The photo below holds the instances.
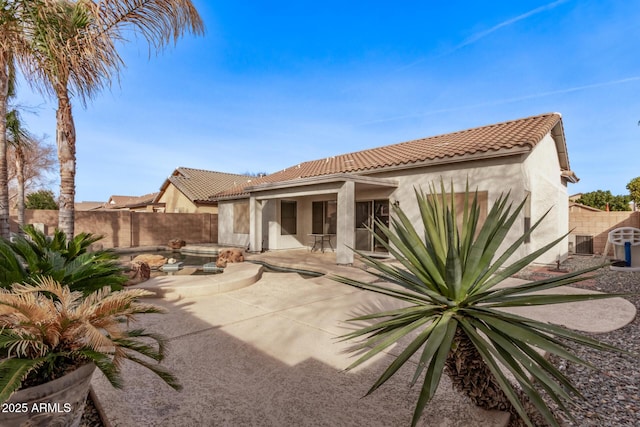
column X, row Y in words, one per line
column 599, row 224
column 127, row 229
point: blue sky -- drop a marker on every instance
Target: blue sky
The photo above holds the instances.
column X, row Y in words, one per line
column 275, row 83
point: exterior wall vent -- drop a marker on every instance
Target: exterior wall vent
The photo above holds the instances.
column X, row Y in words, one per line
column 584, row 244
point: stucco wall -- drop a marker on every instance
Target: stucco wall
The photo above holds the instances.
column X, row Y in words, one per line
column 176, row 202
column 541, row 170
column 126, row 229
column 537, row 172
column 495, row 176
column 226, row 235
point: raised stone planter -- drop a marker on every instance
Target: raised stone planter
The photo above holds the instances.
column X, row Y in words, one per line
column 57, row 403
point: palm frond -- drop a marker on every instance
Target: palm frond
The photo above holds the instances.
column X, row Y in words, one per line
column 12, row 372
column 105, row 364
column 66, row 261
column 50, row 324
column 160, row 371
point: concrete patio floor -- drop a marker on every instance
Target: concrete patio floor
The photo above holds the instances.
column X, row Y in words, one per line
column 267, row 355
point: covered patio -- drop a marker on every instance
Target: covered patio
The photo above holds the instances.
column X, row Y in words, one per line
column 286, row 215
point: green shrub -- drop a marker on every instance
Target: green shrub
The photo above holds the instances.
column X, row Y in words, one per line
column 68, row 261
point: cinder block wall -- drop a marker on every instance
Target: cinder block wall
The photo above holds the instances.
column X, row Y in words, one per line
column 126, row 229
column 599, row 224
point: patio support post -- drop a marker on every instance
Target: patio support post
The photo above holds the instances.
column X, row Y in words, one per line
column 255, row 225
column 345, row 233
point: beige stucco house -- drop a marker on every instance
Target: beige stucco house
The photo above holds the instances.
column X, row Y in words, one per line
column 189, row 190
column 332, row 200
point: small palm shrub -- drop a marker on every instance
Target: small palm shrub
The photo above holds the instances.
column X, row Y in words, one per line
column 68, row 261
column 447, row 277
column 43, row 338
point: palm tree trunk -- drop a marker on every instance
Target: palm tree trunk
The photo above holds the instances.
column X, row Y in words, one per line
column 66, row 141
column 20, row 160
column 5, row 230
column 471, row 376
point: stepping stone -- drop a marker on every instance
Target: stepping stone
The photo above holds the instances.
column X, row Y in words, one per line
column 211, row 267
column 172, row 267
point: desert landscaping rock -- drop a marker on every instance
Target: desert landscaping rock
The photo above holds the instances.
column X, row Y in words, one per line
column 226, row 256
column 611, row 391
column 154, row 261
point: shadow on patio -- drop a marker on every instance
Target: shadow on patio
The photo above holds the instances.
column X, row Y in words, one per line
column 268, row 355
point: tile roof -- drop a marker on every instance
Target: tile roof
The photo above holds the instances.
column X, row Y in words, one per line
column 198, row 185
column 88, row 206
column 521, row 133
column 117, row 202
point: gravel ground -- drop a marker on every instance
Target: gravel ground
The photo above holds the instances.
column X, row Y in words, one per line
column 612, row 391
column 90, row 417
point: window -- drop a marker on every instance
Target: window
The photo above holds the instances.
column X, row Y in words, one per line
column 459, row 201
column 527, row 216
column 241, row 218
column 324, row 217
column 288, row 217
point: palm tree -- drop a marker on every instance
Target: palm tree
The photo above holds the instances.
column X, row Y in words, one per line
column 16, row 34
column 447, row 277
column 20, row 139
column 75, row 50
column 9, row 38
column 4, row 182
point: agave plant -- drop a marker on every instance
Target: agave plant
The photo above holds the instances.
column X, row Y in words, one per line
column 453, row 310
column 42, row 338
column 68, row 261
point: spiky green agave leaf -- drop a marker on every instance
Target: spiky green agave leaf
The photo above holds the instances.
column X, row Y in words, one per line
column 449, row 275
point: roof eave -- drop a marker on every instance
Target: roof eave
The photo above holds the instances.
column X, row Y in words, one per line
column 320, row 179
column 206, row 202
column 557, row 133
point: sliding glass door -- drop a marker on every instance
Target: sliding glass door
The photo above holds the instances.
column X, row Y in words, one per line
column 367, row 214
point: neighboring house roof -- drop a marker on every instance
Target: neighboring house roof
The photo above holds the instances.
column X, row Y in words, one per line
column 583, row 207
column 88, row 206
column 142, row 201
column 120, row 202
column 199, row 185
column 494, row 140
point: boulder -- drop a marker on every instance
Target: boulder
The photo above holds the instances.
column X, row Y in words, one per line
column 138, row 273
column 155, row 261
column 229, row 255
column 176, row 243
